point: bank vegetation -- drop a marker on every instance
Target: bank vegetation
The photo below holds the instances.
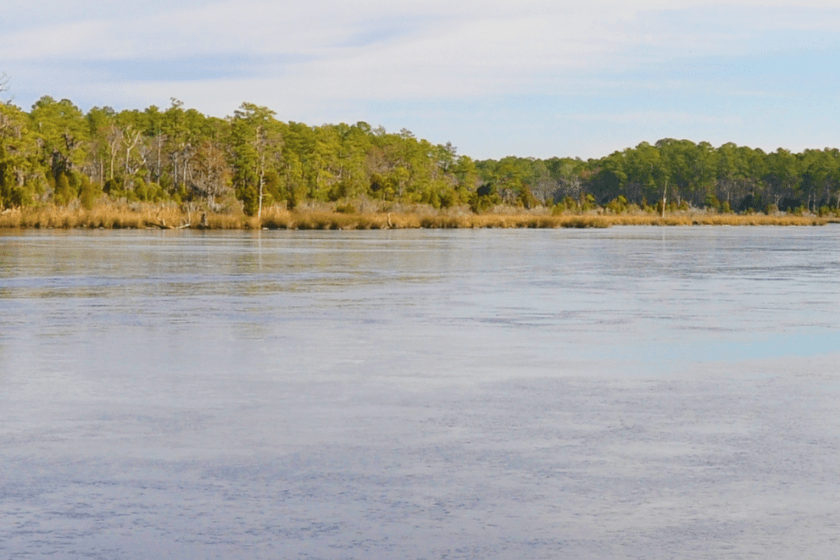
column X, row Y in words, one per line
column 325, row 217
column 178, row 168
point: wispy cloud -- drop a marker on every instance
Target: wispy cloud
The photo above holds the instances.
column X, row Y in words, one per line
column 315, row 58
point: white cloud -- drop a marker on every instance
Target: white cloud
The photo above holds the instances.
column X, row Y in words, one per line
column 503, row 29
column 309, row 59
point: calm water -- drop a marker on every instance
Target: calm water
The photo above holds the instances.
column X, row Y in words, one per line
column 624, row 393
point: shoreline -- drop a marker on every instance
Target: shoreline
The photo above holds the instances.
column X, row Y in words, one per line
column 155, row 217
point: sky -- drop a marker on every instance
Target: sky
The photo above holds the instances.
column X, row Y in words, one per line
column 530, row 78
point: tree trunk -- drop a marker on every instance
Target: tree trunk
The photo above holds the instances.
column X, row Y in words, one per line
column 664, row 198
column 259, row 204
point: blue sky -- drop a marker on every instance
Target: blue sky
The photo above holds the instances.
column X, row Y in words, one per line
column 531, row 78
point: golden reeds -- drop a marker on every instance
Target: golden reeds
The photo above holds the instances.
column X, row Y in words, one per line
column 103, row 216
column 115, row 216
column 700, row 219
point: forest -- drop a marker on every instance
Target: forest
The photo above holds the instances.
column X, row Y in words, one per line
column 57, row 155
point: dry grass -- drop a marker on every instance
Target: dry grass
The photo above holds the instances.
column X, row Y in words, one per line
column 111, row 216
column 699, row 219
column 115, row 216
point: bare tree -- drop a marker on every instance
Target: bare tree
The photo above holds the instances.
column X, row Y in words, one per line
column 212, row 173
column 569, row 183
column 113, row 138
column 545, row 189
column 129, row 140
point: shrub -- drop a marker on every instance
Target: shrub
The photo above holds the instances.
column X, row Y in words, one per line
column 63, row 192
column 90, row 194
column 712, row 201
column 618, row 205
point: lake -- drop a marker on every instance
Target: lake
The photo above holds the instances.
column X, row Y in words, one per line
column 635, row 392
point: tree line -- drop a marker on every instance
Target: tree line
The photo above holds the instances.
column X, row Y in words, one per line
column 58, row 154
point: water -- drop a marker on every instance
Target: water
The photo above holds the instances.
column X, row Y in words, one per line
column 625, row 393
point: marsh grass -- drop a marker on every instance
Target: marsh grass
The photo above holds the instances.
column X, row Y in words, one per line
column 699, row 219
column 110, row 216
column 137, row 216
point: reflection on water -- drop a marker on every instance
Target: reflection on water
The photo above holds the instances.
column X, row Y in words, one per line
column 632, row 392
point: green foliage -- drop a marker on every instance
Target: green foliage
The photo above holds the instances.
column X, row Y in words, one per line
column 55, row 153
column 256, row 141
column 63, row 192
column 272, row 187
column 21, row 196
column 62, row 134
column 249, row 196
column 18, row 157
column 712, row 201
column 89, row 193
column 448, row 198
column 618, row 205
column 484, row 198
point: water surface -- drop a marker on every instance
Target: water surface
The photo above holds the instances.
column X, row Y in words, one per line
column 632, row 392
